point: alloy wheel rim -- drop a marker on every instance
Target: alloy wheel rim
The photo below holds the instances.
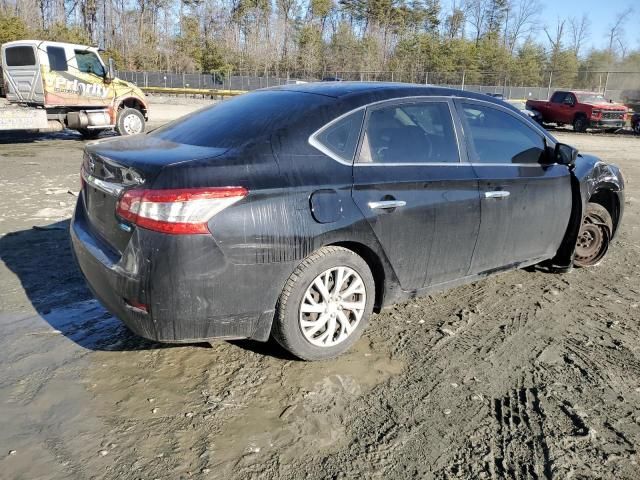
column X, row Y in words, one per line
column 132, row 124
column 332, row 306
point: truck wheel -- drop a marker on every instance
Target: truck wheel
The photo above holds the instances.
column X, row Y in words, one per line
column 580, row 124
column 325, row 305
column 89, row 134
column 636, row 128
column 594, row 236
column 130, row 121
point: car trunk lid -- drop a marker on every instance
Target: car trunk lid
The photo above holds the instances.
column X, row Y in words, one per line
column 111, row 167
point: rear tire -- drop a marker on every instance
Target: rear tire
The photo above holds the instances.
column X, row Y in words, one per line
column 580, row 124
column 325, row 304
column 594, row 236
column 130, row 122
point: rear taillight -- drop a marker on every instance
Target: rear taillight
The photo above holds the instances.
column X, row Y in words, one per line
column 177, row 211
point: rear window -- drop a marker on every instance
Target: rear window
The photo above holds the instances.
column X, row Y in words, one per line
column 241, row 120
column 20, row 56
column 558, row 97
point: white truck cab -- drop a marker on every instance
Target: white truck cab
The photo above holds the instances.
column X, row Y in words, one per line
column 54, row 85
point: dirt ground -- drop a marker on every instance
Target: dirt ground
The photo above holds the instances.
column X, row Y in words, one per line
column 526, row 375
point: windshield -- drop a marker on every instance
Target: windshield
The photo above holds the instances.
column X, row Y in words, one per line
column 591, row 98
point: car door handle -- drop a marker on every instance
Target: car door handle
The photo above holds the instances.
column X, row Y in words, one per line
column 497, row 194
column 386, row 204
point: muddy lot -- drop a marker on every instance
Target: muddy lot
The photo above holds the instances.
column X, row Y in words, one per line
column 526, row 375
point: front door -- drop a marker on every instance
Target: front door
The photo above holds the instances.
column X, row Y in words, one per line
column 526, row 204
column 416, row 190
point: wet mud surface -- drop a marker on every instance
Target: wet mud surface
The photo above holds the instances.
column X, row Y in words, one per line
column 526, row 375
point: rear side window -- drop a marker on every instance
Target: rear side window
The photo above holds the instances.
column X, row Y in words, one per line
column 410, row 133
column 558, row 97
column 20, row 56
column 248, row 118
column 498, row 137
column 341, row 138
column 57, row 59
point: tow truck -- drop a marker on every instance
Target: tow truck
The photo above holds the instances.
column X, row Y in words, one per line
column 50, row 86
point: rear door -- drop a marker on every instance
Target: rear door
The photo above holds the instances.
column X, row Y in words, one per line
column 22, row 74
column 415, row 189
column 526, row 204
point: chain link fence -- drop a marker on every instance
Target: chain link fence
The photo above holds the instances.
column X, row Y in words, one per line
column 617, row 86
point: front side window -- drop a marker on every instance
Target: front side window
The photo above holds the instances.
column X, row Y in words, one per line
column 57, row 59
column 410, row 133
column 498, row 137
column 341, row 138
column 88, row 62
column 20, row 56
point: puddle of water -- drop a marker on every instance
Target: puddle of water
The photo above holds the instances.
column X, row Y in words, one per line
column 303, row 411
column 79, row 381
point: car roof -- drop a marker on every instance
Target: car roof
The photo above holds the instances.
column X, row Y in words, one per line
column 45, row 43
column 366, row 91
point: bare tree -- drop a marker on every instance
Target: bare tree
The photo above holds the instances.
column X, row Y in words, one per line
column 475, row 13
column 556, row 35
column 453, row 24
column 522, row 19
column 579, row 30
column 616, row 29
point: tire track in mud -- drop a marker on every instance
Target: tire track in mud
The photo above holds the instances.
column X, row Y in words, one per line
column 484, row 327
column 521, row 450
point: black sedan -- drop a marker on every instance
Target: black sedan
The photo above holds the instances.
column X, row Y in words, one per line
column 297, row 211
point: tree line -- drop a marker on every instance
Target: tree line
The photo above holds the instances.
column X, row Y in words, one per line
column 487, row 39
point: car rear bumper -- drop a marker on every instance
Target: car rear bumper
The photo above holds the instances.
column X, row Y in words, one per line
column 191, row 291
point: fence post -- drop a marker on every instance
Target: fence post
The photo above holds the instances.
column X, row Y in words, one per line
column 464, row 73
column 549, row 87
column 606, row 83
column 426, row 78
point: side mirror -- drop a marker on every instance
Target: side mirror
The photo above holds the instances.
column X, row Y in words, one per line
column 565, row 154
column 111, row 72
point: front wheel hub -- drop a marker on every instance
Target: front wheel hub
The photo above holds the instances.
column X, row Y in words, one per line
column 592, row 242
column 132, row 124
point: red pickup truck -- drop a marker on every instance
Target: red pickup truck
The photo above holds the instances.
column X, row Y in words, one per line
column 581, row 109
